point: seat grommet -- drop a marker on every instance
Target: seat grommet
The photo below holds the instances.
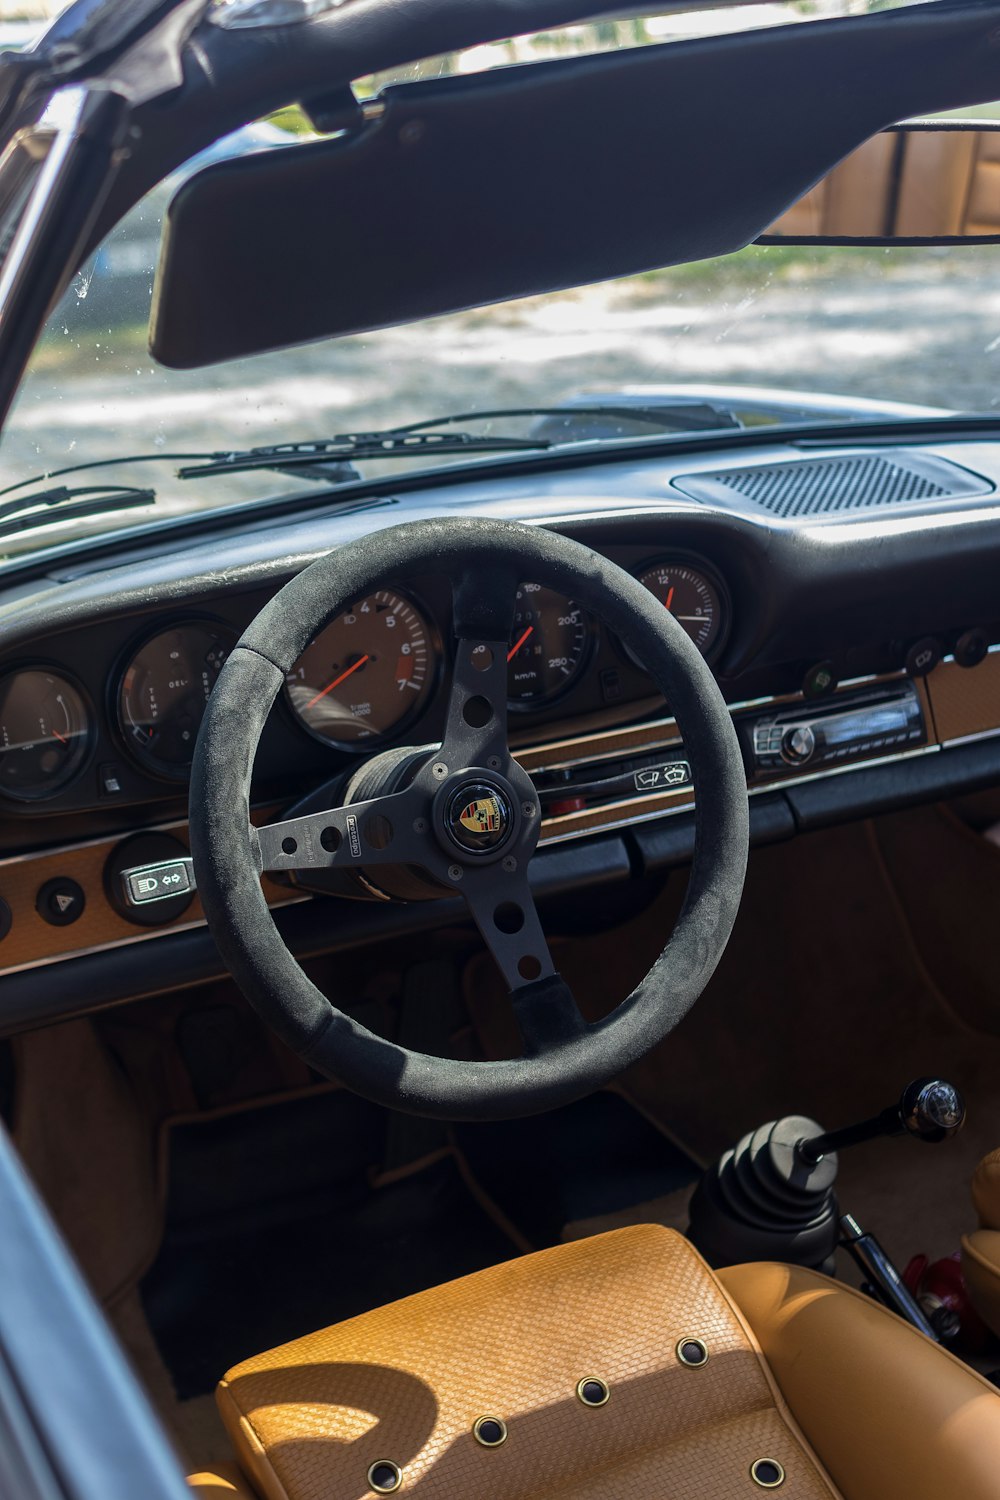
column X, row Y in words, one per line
column 489, row 1432
column 767, row 1472
column 593, row 1391
column 385, row 1477
column 692, row 1352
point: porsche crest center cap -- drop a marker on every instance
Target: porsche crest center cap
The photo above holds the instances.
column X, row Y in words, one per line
column 479, row 817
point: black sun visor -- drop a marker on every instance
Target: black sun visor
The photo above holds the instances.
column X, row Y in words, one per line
column 470, row 190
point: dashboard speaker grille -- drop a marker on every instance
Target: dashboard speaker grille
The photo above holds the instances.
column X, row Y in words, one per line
column 831, row 486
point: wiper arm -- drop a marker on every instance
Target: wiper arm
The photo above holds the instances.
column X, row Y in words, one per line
column 420, row 438
column 62, row 504
column 397, row 442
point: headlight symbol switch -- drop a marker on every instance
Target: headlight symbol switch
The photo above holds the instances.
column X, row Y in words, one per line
column 158, row 882
column 149, row 879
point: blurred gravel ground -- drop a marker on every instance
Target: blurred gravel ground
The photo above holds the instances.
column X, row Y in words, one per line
column 921, row 326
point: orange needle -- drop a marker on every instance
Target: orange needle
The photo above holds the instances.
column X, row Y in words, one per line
column 59, row 737
column 670, row 598
column 337, row 681
column 519, row 643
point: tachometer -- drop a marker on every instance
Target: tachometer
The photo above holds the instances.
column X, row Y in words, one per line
column 367, row 673
column 695, row 598
column 163, row 692
column 44, row 733
column 549, row 646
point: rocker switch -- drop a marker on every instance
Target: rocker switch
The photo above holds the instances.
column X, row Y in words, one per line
column 160, row 882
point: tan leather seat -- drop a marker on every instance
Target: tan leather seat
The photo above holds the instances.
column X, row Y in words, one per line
column 227, row 1483
column 821, row 1389
column 981, row 1248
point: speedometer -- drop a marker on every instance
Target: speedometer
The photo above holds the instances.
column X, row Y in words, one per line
column 549, row 646
column 367, row 674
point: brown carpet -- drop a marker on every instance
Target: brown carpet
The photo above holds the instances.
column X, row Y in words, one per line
column 88, row 1141
column 821, row 1006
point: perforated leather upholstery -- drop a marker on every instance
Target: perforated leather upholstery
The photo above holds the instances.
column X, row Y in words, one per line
column 407, row 1382
column 850, row 1401
column 226, row 1483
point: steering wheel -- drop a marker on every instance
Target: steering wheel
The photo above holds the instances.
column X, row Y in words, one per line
column 465, row 815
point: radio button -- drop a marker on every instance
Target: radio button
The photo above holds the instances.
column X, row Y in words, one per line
column 798, row 743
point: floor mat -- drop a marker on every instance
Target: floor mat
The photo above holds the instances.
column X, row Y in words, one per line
column 273, row 1230
column 596, row 1157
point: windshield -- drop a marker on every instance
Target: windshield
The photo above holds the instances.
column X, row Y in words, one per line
column 779, row 333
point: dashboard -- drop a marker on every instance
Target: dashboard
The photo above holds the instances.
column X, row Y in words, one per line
column 858, row 647
column 116, row 714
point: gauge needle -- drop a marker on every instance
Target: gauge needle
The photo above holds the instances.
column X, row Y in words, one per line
column 519, row 643
column 670, row 598
column 337, row 681
column 59, row 737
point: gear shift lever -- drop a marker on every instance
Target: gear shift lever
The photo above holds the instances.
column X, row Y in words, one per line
column 772, row 1197
column 929, row 1108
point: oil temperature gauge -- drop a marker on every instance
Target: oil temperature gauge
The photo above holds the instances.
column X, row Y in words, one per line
column 694, row 596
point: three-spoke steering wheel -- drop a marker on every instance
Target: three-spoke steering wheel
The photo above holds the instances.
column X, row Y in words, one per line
column 465, row 815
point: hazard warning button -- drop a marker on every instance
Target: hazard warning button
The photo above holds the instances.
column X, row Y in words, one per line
column 60, row 902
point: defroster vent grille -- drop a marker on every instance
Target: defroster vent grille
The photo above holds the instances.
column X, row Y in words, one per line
column 831, row 486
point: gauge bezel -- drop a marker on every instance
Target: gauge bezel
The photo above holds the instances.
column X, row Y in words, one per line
column 517, row 706
column 697, row 563
column 89, row 737
column 149, row 764
column 435, row 641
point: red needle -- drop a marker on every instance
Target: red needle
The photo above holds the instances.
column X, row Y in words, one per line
column 519, row 643
column 337, row 681
column 670, row 598
column 59, row 737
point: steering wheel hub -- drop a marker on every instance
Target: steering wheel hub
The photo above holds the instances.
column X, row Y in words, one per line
column 479, row 817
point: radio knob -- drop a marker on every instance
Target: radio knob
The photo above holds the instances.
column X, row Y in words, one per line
column 797, row 744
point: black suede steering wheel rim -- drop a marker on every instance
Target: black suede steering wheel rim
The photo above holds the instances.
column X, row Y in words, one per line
column 564, row 1057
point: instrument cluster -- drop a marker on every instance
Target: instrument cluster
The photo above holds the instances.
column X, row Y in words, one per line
column 369, row 676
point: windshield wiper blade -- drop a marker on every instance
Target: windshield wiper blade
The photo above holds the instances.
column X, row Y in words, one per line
column 396, row 442
column 63, row 504
column 420, row 438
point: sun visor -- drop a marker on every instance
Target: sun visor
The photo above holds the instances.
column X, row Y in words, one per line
column 470, row 190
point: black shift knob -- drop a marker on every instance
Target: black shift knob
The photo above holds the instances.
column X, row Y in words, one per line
column 931, row 1109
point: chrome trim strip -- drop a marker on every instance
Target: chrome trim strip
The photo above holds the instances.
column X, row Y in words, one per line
column 125, row 942
column 755, row 791
column 970, row 739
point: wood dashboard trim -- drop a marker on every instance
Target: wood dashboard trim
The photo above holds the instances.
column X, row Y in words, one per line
column 33, row 941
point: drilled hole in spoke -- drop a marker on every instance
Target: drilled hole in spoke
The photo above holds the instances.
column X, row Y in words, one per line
column 289, row 846
column 331, row 840
column 481, row 658
column 378, row 831
column 529, row 967
column 508, row 917
column 477, row 712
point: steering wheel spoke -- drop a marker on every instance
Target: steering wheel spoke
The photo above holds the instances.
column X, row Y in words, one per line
column 547, row 1015
column 384, row 830
column 503, row 909
column 476, row 726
